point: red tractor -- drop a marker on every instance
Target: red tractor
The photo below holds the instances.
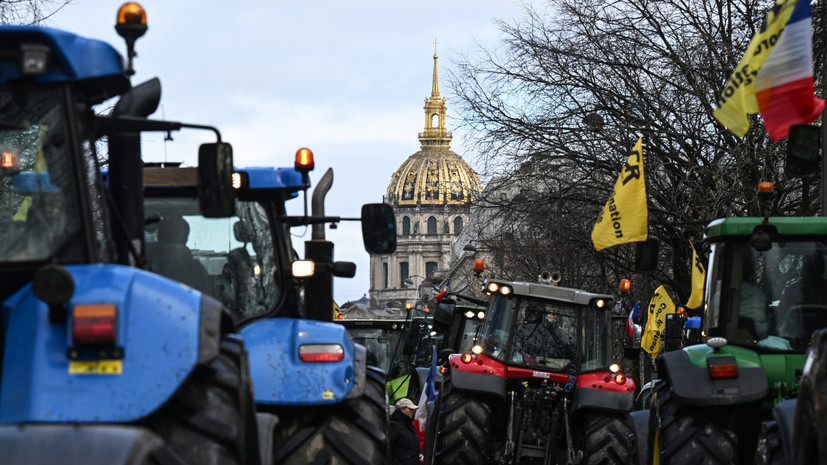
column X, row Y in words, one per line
column 540, row 388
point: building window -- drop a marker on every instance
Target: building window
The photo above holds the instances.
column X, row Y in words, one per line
column 406, row 226
column 385, row 275
column 457, row 225
column 432, row 226
column 430, row 267
column 435, row 120
column 403, row 271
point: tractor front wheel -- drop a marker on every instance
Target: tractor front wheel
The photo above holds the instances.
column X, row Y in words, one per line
column 464, row 429
column 609, row 439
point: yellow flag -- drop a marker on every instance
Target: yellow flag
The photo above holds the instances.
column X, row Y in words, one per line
column 337, row 313
column 696, row 297
column 738, row 97
column 660, row 305
column 625, row 218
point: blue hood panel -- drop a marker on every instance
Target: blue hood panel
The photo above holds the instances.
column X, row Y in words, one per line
column 157, row 327
column 280, row 378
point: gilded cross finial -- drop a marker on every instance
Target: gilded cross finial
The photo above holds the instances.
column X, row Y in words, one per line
column 435, row 82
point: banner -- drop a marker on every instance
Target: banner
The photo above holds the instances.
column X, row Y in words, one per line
column 660, row 305
column 625, row 217
column 696, row 297
column 775, row 75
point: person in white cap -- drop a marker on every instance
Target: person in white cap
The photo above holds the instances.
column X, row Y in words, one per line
column 404, row 441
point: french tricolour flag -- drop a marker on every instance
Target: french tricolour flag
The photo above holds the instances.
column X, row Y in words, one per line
column 630, row 322
column 784, row 84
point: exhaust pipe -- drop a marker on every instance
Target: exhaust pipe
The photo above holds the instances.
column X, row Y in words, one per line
column 317, row 202
column 549, row 278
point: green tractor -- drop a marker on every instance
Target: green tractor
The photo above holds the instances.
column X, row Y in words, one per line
column 403, row 347
column 396, row 346
column 766, row 293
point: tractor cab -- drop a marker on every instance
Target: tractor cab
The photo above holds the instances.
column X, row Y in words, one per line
column 540, row 386
column 766, row 284
column 547, row 328
column 48, row 199
column 240, row 259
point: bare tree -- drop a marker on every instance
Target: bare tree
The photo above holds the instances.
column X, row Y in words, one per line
column 29, row 12
column 556, row 109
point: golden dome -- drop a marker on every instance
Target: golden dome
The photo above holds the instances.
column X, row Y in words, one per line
column 433, row 177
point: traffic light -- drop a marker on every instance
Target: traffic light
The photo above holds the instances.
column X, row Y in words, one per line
column 803, row 155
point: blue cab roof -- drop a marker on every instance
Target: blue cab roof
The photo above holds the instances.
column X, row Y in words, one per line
column 72, row 58
column 274, row 178
column 78, row 58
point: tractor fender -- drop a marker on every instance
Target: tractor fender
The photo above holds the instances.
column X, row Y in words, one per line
column 83, row 445
column 602, row 400
column 481, row 380
column 597, row 391
column 280, row 377
column 691, row 384
column 163, row 330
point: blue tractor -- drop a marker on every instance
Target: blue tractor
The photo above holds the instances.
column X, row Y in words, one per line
column 102, row 361
column 317, row 398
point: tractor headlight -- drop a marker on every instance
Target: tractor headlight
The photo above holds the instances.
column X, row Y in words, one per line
column 303, row 268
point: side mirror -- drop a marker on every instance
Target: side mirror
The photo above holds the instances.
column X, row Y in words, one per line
column 444, row 311
column 378, row 228
column 803, row 148
column 216, row 195
column 646, row 255
column 344, row 269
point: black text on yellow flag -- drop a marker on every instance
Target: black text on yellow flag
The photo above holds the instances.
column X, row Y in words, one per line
column 625, row 218
column 660, row 306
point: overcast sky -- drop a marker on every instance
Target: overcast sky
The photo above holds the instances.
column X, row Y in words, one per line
column 347, row 79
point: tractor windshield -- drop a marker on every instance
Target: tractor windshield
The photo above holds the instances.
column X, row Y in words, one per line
column 38, row 204
column 471, row 328
column 231, row 259
column 773, row 299
column 538, row 333
column 380, row 343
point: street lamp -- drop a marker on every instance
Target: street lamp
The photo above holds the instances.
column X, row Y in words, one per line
column 408, row 282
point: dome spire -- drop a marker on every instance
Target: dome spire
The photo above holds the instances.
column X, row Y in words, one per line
column 435, row 135
column 435, row 84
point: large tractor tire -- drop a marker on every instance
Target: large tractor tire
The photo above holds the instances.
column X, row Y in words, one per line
column 211, row 419
column 681, row 434
column 609, row 439
column 464, row 428
column 352, row 432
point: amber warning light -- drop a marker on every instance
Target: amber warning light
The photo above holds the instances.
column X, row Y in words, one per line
column 131, row 13
column 765, row 187
column 624, row 285
column 304, row 160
